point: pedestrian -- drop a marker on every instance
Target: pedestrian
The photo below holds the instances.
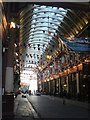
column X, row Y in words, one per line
column 64, row 95
column 64, row 101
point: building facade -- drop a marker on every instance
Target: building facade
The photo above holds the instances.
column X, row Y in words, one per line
column 66, row 75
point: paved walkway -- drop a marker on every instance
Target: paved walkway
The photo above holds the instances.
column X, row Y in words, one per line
column 53, row 107
column 85, row 105
column 22, row 109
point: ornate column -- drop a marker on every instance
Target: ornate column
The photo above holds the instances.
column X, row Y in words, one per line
column 0, row 73
column 9, row 79
column 67, row 81
column 60, row 86
column 49, row 86
column 9, row 68
column 42, row 85
column 77, row 82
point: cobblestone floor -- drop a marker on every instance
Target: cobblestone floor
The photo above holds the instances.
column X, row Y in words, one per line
column 22, row 110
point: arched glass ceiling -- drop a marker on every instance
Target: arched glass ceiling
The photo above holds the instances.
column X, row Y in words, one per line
column 41, row 23
column 40, row 27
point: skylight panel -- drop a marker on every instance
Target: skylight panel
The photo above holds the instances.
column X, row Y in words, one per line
column 64, row 13
column 60, row 18
column 32, row 26
column 55, row 8
column 31, row 30
column 58, row 23
column 52, row 14
column 61, row 9
column 35, row 9
column 59, row 15
column 34, row 15
column 53, row 31
column 41, row 13
column 44, row 24
column 55, row 27
column 50, row 19
column 43, row 6
column 33, row 21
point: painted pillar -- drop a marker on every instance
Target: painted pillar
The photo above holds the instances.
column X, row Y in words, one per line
column 9, row 79
column 9, row 69
column 42, row 86
column 49, row 87
column 55, row 86
column 67, row 80
column 77, row 82
column 60, row 87
column 0, row 69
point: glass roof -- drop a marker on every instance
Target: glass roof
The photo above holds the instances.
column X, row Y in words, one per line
column 44, row 24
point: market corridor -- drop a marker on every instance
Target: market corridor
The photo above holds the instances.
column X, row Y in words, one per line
column 45, row 60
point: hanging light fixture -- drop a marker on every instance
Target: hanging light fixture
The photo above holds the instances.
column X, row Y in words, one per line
column 12, row 25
